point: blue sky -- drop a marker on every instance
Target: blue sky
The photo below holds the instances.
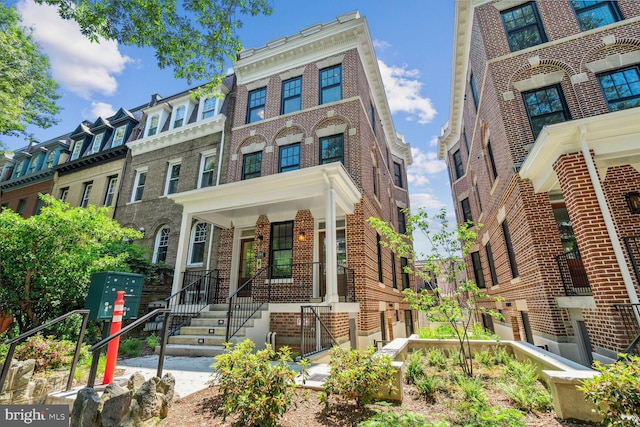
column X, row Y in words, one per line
column 412, row 38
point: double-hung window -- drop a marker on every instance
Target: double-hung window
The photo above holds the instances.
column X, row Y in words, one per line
column 281, row 257
column 291, row 95
column 255, row 108
column 474, row 91
column 179, row 119
column 209, row 107
column 118, row 136
column 331, row 84
column 207, row 167
column 153, row 124
column 513, row 265
column 51, row 157
column 86, row 193
column 545, row 106
column 595, row 13
column 77, row 148
column 457, row 163
column 64, row 193
column 289, row 158
column 477, row 270
column 252, row 165
column 138, row 186
column 111, row 190
column 33, row 166
column 95, row 144
column 397, row 174
column 332, row 149
column 466, row 210
column 198, row 239
column 162, row 245
column 523, row 26
column 402, row 221
column 621, row 88
column 173, row 174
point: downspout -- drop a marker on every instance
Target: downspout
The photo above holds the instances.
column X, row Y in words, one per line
column 608, row 220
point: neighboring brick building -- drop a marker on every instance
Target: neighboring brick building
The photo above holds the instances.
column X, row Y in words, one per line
column 313, row 155
column 543, row 150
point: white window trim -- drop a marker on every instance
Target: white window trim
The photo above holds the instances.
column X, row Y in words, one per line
column 115, row 132
column 156, row 245
column 168, row 178
column 77, row 148
column 113, row 179
column 86, row 194
column 93, row 143
column 216, row 109
column 192, row 242
column 203, row 156
column 135, row 184
column 163, row 111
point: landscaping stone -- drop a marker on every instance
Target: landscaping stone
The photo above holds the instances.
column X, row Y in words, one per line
column 117, row 405
column 86, row 409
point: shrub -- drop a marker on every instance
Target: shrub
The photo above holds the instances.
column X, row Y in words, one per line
column 415, row 369
column 253, row 387
column 153, row 341
column 522, row 386
column 616, row 391
column 428, row 387
column 130, row 347
column 357, row 375
column 485, row 357
column 406, row 419
column 47, row 352
column 437, row 358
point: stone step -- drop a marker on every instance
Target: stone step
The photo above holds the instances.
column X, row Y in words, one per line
column 193, row 350
column 204, row 330
column 196, row 340
column 215, row 323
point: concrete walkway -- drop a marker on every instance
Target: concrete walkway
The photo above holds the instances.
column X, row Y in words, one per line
column 192, row 374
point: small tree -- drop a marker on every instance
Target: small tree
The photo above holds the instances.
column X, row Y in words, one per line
column 46, row 261
column 455, row 303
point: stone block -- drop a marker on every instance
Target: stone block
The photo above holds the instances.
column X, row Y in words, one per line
column 86, row 409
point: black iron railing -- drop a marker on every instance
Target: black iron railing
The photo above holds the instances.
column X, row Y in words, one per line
column 202, row 289
column 17, row 340
column 315, row 336
column 96, row 348
column 630, row 313
column 290, row 283
column 632, row 243
column 574, row 276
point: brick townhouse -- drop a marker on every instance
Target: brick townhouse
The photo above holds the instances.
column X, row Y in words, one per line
column 260, row 193
column 543, row 149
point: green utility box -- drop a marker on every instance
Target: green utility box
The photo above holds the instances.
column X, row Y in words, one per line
column 104, row 290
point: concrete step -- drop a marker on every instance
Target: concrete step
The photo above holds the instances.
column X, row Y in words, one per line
column 198, row 340
column 215, row 323
column 204, row 330
column 193, row 350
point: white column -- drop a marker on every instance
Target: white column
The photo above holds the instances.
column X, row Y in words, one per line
column 331, row 258
column 183, row 250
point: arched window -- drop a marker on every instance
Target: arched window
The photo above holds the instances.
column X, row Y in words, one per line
column 197, row 243
column 161, row 245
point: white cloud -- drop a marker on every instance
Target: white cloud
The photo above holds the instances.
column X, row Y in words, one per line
column 403, row 93
column 98, row 109
column 424, row 164
column 381, row 44
column 77, row 64
column 425, row 200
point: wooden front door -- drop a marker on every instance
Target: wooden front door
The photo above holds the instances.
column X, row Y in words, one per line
column 246, row 267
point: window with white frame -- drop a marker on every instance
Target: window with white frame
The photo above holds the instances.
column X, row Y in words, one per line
column 162, row 245
column 331, row 84
column 197, row 243
column 51, row 157
column 118, row 136
column 173, row 174
column 33, row 166
column 77, row 148
column 256, row 105
column 153, row 124
column 17, row 172
column 64, row 193
column 179, row 118
column 209, row 107
column 207, row 165
column 95, row 144
column 86, row 193
column 111, row 190
column 138, row 186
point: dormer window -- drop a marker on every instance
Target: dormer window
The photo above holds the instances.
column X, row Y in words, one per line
column 76, row 150
column 95, row 145
column 153, row 124
column 18, row 170
column 118, row 137
column 50, row 159
column 209, row 107
column 33, row 166
column 179, row 119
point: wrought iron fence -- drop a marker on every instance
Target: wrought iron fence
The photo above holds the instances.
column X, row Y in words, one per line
column 630, row 313
column 632, row 243
column 574, row 276
column 315, row 336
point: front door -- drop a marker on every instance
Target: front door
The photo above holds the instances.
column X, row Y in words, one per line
column 341, row 255
column 246, row 270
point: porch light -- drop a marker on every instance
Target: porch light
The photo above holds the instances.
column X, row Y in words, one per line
column 633, row 202
column 302, row 237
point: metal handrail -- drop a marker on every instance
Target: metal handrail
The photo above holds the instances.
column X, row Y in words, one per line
column 251, row 308
column 632, row 244
column 573, row 274
column 182, row 309
column 95, row 349
column 14, row 342
column 325, row 335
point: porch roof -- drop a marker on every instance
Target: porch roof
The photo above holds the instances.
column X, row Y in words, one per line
column 613, row 138
column 280, row 195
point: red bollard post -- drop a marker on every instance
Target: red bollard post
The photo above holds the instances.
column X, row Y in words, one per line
column 112, row 347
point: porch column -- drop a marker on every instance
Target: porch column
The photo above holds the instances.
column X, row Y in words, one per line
column 330, row 229
column 183, row 250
